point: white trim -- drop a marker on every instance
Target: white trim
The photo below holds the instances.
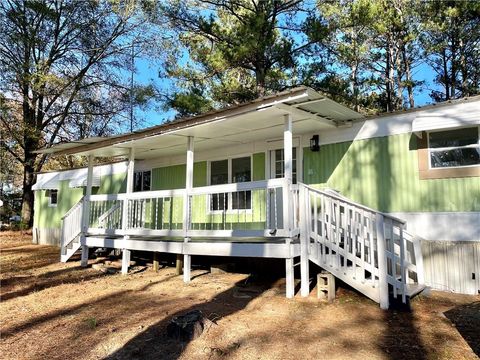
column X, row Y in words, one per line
column 50, row 204
column 230, row 210
column 471, row 146
column 142, row 171
column 443, row 226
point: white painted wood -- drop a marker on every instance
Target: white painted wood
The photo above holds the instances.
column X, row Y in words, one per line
column 188, row 189
column 129, row 188
column 289, row 278
column 304, row 203
column 125, row 261
column 382, row 263
column 288, row 167
column 241, row 249
column 437, row 226
column 88, row 193
column 187, row 266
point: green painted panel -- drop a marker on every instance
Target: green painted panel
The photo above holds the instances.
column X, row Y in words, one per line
column 383, row 173
column 112, row 184
column 50, row 216
column 258, row 167
column 170, row 177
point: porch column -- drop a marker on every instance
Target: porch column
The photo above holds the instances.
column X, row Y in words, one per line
column 86, row 212
column 287, row 200
column 186, row 210
column 128, row 190
column 382, row 263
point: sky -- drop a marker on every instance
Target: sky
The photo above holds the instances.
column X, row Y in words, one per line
column 147, row 73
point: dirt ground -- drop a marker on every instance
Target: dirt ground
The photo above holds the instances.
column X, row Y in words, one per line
column 50, row 310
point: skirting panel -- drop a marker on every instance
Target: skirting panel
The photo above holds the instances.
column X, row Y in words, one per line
column 452, row 266
column 44, row 236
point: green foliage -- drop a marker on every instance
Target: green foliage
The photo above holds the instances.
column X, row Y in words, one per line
column 91, row 323
column 237, row 51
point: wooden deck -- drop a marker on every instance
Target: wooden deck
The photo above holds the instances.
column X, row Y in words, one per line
column 244, row 247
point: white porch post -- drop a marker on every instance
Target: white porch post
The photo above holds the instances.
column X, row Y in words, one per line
column 187, row 259
column 382, row 263
column 86, row 212
column 287, row 199
column 128, row 190
column 303, row 201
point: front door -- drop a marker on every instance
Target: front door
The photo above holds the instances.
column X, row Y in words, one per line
column 277, row 170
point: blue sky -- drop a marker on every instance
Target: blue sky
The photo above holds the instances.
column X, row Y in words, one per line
column 147, row 73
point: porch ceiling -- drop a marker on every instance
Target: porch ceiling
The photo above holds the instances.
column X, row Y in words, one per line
column 256, row 121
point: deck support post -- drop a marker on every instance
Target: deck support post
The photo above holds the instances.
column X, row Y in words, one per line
column 156, row 264
column 382, row 263
column 125, row 261
column 129, row 189
column 187, row 264
column 84, row 257
column 304, row 241
column 179, row 265
column 187, row 259
column 86, row 210
column 289, row 278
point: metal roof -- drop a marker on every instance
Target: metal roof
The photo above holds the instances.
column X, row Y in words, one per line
column 302, row 102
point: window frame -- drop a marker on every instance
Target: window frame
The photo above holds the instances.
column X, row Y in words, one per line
column 49, row 195
column 142, row 186
column 229, row 210
column 471, row 146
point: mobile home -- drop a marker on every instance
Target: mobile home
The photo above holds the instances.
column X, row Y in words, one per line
column 387, row 204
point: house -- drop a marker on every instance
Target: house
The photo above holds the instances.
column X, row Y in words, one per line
column 387, row 204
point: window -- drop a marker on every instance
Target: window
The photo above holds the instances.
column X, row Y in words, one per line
column 454, row 148
column 141, row 181
column 52, row 197
column 231, row 171
column 279, row 166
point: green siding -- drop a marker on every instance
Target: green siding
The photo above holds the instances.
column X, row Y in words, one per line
column 383, row 173
column 50, row 216
column 112, row 184
column 258, row 166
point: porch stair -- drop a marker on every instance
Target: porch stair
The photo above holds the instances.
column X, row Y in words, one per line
column 71, row 231
column 368, row 250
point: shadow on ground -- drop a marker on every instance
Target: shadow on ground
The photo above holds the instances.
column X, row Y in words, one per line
column 466, row 319
column 154, row 343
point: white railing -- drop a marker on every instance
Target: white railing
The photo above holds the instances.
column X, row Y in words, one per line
column 359, row 243
column 247, row 209
column 71, row 226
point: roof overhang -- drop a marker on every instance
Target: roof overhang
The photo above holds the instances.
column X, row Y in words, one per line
column 258, row 120
column 77, row 178
column 431, row 121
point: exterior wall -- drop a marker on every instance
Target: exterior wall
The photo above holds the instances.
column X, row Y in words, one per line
column 173, row 177
column 452, row 266
column 382, row 173
column 47, row 218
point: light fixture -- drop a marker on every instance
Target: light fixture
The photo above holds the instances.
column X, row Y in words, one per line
column 315, row 143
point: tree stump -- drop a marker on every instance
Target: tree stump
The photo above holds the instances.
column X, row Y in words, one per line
column 187, row 327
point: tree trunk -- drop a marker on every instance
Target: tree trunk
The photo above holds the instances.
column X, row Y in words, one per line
column 28, row 196
column 398, row 65
column 463, row 69
column 260, row 80
column 446, row 80
column 389, row 73
column 408, row 77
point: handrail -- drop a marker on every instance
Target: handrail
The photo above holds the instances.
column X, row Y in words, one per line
column 202, row 190
column 72, row 209
column 350, row 202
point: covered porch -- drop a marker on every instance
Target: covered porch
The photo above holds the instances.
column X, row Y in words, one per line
column 241, row 217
